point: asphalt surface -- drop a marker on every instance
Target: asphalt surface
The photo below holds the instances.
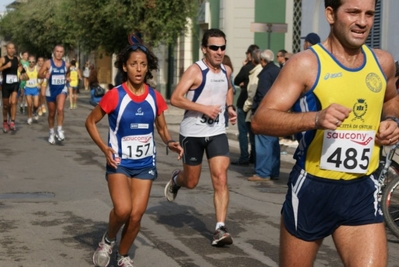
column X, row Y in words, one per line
column 54, row 205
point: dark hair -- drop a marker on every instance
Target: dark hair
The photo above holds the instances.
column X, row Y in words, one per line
column 227, row 62
column 73, row 62
column 124, row 55
column 335, row 4
column 283, row 51
column 110, row 86
column 397, row 69
column 212, row 33
column 252, row 48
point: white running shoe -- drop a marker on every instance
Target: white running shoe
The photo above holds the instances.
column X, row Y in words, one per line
column 36, row 117
column 29, row 121
column 124, row 261
column 51, row 139
column 103, row 253
column 61, row 136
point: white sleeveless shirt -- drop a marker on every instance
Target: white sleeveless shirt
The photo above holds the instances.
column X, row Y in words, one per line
column 212, row 91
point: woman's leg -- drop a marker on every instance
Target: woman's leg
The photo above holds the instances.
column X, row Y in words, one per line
column 140, row 193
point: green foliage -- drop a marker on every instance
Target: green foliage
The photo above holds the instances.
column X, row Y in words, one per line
column 38, row 25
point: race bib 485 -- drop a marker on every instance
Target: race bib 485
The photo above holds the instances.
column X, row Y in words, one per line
column 347, row 151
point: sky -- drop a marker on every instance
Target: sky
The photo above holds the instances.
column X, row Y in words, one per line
column 3, row 4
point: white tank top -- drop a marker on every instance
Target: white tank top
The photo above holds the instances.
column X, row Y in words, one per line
column 212, row 91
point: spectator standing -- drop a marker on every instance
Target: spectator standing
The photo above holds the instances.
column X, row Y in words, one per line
column 281, row 57
column 93, row 79
column 252, row 86
column 310, row 39
column 242, row 80
column 267, row 147
column 86, row 74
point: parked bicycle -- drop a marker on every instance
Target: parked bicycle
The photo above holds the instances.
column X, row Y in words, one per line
column 389, row 189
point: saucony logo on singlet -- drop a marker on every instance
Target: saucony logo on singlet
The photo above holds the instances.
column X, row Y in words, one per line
column 332, row 75
column 218, row 81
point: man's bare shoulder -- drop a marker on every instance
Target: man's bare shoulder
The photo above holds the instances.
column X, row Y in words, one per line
column 302, row 67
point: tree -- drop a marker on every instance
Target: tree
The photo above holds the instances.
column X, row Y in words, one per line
column 40, row 24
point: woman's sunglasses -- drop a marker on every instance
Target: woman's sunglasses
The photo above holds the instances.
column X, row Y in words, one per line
column 216, row 47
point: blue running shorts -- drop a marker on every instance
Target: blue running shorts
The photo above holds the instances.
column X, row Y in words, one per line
column 315, row 207
column 31, row 91
column 143, row 174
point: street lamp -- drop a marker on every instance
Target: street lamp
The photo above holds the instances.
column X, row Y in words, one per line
column 269, row 28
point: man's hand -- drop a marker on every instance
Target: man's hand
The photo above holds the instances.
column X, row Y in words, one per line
column 212, row 111
column 388, row 133
column 232, row 116
column 332, row 117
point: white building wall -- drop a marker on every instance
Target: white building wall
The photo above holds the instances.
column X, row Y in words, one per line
column 313, row 19
column 289, row 16
column 235, row 20
column 390, row 31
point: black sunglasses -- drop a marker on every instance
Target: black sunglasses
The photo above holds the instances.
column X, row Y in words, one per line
column 135, row 47
column 216, row 47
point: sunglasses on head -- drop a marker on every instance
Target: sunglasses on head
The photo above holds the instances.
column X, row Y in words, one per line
column 32, row 61
column 135, row 47
column 216, row 47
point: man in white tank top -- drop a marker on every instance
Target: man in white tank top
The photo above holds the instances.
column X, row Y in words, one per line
column 205, row 92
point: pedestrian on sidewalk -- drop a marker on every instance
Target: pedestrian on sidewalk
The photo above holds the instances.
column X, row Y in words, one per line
column 244, row 128
column 205, row 91
column 132, row 108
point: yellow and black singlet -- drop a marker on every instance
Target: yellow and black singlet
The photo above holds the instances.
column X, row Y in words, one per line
column 349, row 151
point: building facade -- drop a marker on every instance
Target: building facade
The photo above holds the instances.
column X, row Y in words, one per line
column 234, row 17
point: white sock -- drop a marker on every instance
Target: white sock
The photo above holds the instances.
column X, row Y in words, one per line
column 59, row 128
column 219, row 224
column 52, row 131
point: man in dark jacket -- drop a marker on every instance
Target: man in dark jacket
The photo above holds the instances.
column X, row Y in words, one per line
column 244, row 128
column 267, row 147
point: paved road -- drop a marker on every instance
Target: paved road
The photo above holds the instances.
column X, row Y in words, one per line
column 54, row 206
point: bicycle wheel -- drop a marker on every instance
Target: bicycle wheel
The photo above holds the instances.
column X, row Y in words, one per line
column 390, row 205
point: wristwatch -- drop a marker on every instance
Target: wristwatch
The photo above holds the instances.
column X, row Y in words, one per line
column 392, row 118
column 231, row 106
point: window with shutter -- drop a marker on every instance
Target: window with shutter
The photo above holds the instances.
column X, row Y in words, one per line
column 374, row 38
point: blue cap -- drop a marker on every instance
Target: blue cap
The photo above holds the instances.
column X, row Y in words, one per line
column 312, row 38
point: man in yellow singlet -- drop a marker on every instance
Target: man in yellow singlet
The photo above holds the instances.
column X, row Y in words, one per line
column 344, row 107
column 32, row 90
column 42, row 83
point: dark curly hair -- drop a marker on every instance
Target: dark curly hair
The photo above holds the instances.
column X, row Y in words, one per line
column 335, row 4
column 124, row 55
column 211, row 33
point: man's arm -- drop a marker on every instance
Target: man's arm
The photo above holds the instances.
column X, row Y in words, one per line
column 388, row 132
column 42, row 73
column 191, row 78
column 8, row 65
column 298, row 76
